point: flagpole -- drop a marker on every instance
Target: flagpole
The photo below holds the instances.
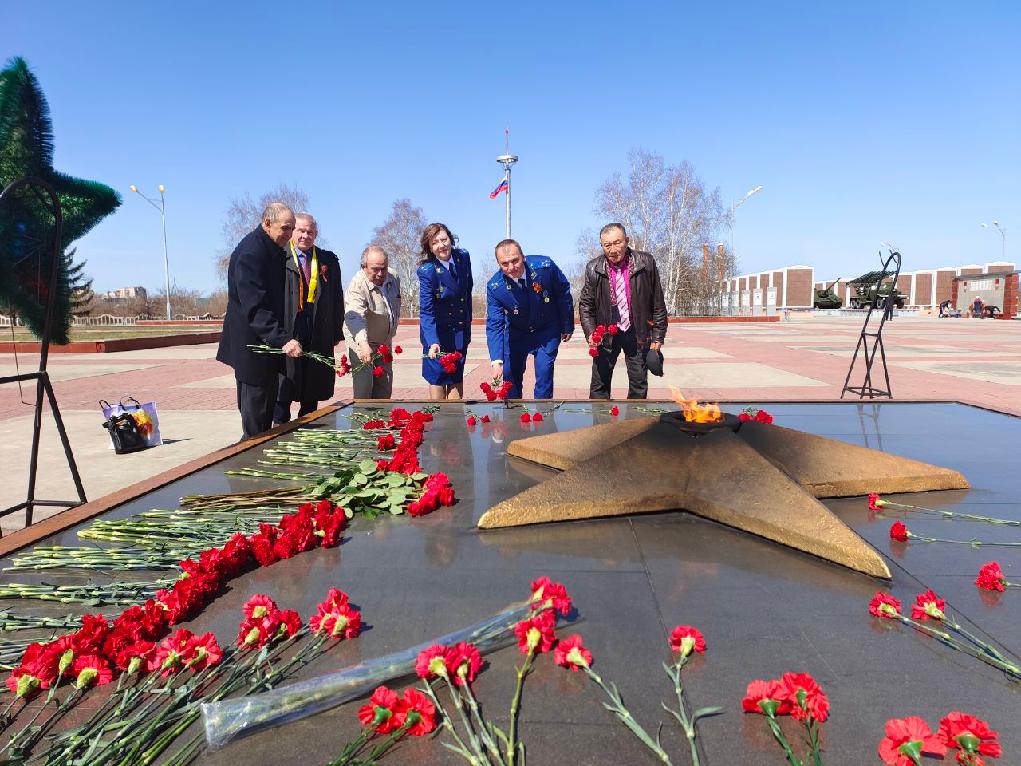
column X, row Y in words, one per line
column 507, row 160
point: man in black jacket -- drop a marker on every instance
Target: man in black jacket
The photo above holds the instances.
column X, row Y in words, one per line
column 313, row 315
column 623, row 294
column 255, row 316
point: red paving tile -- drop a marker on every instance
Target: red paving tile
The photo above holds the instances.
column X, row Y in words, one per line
column 979, row 341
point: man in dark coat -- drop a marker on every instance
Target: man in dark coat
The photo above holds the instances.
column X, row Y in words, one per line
column 313, row 315
column 622, row 292
column 255, row 316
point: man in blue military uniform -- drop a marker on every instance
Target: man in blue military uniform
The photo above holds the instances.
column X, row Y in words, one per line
column 529, row 310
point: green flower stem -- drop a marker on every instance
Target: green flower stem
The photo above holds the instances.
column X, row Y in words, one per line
column 953, row 514
column 445, row 722
column 813, row 740
column 483, row 724
column 379, row 750
column 353, row 747
column 618, row 708
column 477, row 747
column 778, row 735
column 1010, row 669
column 973, row 542
column 982, row 645
column 681, row 715
column 512, row 729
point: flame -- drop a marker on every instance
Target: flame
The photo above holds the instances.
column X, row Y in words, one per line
column 693, row 411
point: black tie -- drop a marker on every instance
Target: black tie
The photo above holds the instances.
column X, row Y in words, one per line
column 521, row 283
column 453, row 271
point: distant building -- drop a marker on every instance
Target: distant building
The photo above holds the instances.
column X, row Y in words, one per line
column 125, row 294
column 787, row 287
column 927, row 288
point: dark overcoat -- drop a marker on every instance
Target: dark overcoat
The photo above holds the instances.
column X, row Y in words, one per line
column 318, row 327
column 255, row 310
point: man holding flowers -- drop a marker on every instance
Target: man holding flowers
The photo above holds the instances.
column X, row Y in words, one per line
column 621, row 308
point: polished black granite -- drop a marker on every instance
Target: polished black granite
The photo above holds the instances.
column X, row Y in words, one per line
column 764, row 609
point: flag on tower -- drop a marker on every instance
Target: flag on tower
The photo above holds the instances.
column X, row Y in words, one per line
column 501, row 188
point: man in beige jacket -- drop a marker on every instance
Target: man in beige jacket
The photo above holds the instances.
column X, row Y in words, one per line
column 372, row 309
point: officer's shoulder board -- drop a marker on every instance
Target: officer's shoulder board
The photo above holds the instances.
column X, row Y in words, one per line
column 425, row 268
column 496, row 282
column 538, row 261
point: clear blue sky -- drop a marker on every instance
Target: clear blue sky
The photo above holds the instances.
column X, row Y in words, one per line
column 865, row 122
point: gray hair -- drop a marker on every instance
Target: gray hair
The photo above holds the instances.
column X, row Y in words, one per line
column 611, row 227
column 308, row 217
column 373, row 249
column 275, row 210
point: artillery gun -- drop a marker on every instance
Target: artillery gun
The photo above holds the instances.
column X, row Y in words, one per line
column 865, row 291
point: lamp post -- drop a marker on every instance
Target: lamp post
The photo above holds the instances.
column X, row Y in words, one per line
column 733, row 217
column 162, row 208
column 1003, row 238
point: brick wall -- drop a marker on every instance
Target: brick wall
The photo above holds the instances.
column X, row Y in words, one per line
column 799, row 288
column 923, row 289
column 945, row 289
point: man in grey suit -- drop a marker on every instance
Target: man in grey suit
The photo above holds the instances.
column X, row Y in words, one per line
column 372, row 309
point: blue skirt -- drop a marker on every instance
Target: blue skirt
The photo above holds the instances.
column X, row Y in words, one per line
column 435, row 375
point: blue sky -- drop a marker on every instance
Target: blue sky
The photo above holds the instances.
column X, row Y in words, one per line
column 864, row 122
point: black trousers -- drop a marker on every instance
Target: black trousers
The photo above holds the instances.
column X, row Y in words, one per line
column 255, row 402
column 634, row 360
column 289, row 390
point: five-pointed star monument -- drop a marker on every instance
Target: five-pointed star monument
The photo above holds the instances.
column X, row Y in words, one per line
column 763, row 479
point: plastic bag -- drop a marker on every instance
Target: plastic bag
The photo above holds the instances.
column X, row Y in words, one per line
column 227, row 720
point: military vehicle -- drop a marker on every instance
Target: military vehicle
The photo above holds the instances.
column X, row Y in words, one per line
column 865, row 291
column 826, row 298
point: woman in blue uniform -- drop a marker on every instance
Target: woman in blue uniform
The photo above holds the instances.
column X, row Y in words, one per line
column 445, row 303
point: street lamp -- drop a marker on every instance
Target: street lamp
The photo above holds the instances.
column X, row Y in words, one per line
column 733, row 217
column 1003, row 238
column 162, row 208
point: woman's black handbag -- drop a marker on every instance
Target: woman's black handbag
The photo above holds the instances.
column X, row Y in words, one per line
column 124, row 434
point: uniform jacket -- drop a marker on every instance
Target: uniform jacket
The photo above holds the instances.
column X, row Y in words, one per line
column 446, row 303
column 365, row 313
column 545, row 304
column 255, row 309
column 648, row 311
column 321, row 324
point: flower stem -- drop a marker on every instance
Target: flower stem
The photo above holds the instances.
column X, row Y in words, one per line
column 483, row 725
column 624, row 715
column 446, row 723
column 778, row 735
column 512, row 729
column 681, row 714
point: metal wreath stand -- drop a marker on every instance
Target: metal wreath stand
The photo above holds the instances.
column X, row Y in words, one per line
column 48, row 198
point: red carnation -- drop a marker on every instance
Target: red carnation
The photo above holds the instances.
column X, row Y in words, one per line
column 593, row 352
column 205, row 652
column 525, row 417
column 806, row 697
column 432, row 662
column 536, row 633
column 876, row 503
column 536, row 417
column 928, row 605
column 485, row 418
column 614, row 410
column 765, row 698
column 906, row 739
column 899, row 532
column 414, row 701
column 382, row 711
column 571, row 653
column 544, row 589
column 991, row 577
column 612, row 329
column 884, row 605
column 377, row 371
column 398, row 350
column 91, row 670
column 464, row 661
column 686, row 639
column 471, row 421
column 969, row 735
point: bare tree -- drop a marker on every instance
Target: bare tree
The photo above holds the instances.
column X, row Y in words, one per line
column 669, row 213
column 244, row 213
column 399, row 236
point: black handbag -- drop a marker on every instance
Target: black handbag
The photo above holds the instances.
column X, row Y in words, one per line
column 124, row 434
